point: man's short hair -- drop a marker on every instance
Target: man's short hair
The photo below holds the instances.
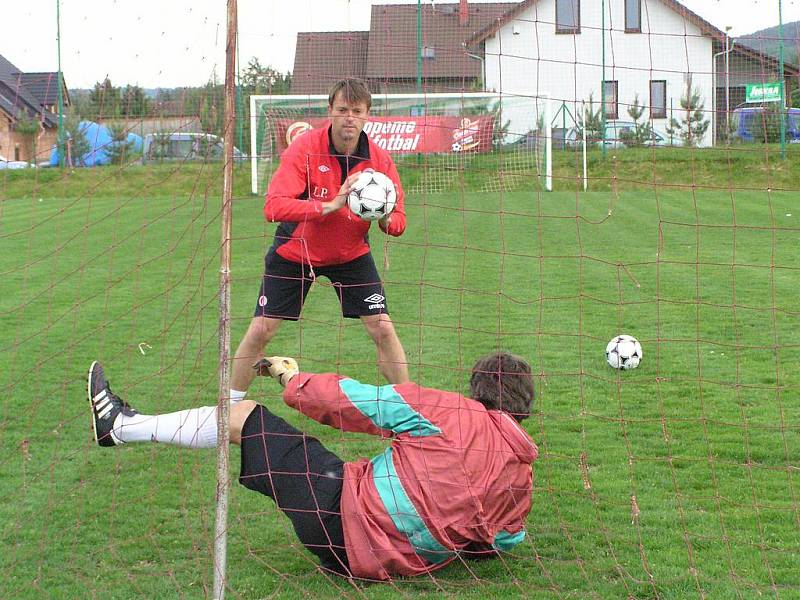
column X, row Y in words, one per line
column 353, row 91
column 503, row 381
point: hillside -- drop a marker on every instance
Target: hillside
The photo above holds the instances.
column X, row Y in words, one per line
column 767, row 41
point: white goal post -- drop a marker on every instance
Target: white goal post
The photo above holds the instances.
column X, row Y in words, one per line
column 452, row 126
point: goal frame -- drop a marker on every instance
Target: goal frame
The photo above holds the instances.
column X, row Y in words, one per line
column 322, row 99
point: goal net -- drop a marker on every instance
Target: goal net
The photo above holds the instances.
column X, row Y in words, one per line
column 574, row 171
column 440, row 132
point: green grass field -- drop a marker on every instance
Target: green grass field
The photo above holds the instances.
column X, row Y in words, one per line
column 679, row 479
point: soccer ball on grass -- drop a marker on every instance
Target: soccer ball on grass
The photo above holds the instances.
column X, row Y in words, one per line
column 624, row 352
column 373, row 196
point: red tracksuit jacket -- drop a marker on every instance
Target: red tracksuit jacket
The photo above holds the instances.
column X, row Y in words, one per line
column 454, row 474
column 309, row 175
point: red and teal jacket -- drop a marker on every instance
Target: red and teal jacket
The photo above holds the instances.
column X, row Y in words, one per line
column 456, row 476
column 308, row 175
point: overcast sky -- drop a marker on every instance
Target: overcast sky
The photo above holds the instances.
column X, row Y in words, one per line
column 170, row 43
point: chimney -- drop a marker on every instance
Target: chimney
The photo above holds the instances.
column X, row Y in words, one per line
column 463, row 13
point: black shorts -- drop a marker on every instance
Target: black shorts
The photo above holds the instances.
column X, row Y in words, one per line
column 285, row 285
column 303, row 477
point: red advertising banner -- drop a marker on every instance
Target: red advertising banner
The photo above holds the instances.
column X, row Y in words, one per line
column 405, row 135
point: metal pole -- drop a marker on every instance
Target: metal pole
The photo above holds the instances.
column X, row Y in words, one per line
column 603, row 83
column 727, row 84
column 60, row 140
column 223, row 396
column 419, row 46
column 585, row 172
column 548, row 145
column 783, row 81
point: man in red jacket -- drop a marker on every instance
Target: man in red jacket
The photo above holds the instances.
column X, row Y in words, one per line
column 455, row 481
column 319, row 236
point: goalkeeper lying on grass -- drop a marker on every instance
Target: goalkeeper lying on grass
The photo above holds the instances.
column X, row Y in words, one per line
column 456, row 480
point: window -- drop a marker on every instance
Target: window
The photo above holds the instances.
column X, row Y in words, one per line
column 568, row 16
column 633, row 16
column 611, row 108
column 658, row 99
column 428, row 52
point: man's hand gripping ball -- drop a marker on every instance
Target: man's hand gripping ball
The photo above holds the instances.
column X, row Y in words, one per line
column 282, row 368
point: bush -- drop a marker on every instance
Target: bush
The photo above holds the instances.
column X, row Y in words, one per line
column 767, row 126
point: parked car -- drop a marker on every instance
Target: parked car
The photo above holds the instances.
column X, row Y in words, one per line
column 185, row 146
column 615, row 134
column 746, row 119
column 15, row 164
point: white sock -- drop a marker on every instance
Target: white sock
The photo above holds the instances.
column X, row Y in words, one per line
column 237, row 396
column 193, row 428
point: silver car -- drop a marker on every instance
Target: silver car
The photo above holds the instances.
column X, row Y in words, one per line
column 615, row 133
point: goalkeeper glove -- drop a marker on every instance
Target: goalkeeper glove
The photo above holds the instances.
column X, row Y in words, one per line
column 282, row 368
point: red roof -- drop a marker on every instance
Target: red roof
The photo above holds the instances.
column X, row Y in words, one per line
column 393, row 39
column 321, row 58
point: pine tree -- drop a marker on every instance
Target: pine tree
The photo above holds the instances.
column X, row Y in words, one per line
column 767, row 125
column 76, row 145
column 104, row 100
column 592, row 121
column 693, row 125
column 120, row 148
column 641, row 131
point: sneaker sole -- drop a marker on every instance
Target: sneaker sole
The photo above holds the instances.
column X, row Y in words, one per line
column 91, row 404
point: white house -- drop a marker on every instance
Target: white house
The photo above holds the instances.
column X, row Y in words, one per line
column 653, row 49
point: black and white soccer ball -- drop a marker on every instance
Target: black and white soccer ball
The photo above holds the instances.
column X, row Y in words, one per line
column 373, row 196
column 624, row 352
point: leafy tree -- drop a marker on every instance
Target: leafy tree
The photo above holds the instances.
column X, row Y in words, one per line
column 120, row 148
column 212, row 108
column 258, row 79
column 104, row 100
column 80, row 102
column 693, row 125
column 134, row 103
column 28, row 127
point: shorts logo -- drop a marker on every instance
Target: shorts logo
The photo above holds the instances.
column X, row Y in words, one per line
column 262, row 301
column 324, row 168
column 375, row 301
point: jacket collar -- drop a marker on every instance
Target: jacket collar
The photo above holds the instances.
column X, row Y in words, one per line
column 362, row 150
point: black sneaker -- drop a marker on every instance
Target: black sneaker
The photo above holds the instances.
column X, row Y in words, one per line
column 106, row 405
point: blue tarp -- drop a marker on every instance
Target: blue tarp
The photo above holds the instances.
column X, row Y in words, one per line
column 99, row 138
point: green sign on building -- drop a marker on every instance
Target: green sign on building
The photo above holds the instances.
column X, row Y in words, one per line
column 764, row 92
